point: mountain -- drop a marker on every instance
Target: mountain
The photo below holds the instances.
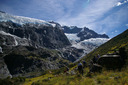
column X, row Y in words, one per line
column 29, row 46
column 120, row 41
column 38, row 32
column 83, row 33
column 84, row 38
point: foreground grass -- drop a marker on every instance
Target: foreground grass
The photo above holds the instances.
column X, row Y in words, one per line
column 30, row 81
column 104, row 78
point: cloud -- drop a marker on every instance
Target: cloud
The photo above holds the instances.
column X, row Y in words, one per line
column 119, row 3
column 90, row 14
column 102, row 16
column 126, row 25
column 41, row 9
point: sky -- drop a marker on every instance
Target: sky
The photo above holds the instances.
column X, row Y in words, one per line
column 103, row 16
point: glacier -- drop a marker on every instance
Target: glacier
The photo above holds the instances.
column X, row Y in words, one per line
column 72, row 36
column 23, row 20
column 88, row 42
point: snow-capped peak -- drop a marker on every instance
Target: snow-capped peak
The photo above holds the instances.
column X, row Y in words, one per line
column 22, row 20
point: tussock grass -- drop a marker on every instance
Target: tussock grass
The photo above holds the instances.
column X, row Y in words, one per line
column 104, row 78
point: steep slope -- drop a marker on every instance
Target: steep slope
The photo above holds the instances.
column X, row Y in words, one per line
column 109, row 47
column 84, row 38
column 29, row 61
column 28, row 47
column 38, row 35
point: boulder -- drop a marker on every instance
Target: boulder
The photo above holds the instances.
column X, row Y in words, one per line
column 96, row 68
column 110, row 61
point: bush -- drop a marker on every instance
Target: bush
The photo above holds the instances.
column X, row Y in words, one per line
column 12, row 81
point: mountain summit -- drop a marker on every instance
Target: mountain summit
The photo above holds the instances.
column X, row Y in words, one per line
column 83, row 33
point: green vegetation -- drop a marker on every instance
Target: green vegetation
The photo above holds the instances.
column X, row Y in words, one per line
column 111, row 46
column 12, row 81
column 73, row 77
column 104, row 78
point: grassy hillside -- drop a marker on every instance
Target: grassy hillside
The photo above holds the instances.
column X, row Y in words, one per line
column 109, row 47
column 50, row 78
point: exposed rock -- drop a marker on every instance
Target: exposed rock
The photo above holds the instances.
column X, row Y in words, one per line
column 26, row 47
column 72, row 54
column 110, row 61
column 87, row 34
column 83, row 33
column 37, row 35
column 12, row 40
column 72, row 29
column 96, row 68
column 24, row 60
column 4, row 72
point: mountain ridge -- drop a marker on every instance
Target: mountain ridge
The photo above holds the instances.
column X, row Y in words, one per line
column 83, row 33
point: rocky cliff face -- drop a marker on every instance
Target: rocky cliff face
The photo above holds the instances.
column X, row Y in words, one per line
column 26, row 60
column 4, row 72
column 33, row 34
column 83, row 33
column 30, row 46
column 87, row 34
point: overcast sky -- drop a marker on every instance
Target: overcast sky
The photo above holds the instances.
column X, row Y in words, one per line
column 102, row 16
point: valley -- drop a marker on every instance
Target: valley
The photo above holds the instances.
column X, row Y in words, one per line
column 38, row 52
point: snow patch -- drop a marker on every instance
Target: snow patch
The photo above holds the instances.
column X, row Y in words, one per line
column 16, row 43
column 1, row 50
column 126, row 25
column 72, row 37
column 72, row 27
column 4, row 33
column 54, row 25
column 17, row 40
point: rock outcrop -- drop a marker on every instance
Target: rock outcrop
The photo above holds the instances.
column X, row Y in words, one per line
column 110, row 61
column 83, row 33
column 87, row 34
column 96, row 68
column 29, row 46
column 35, row 35
column 72, row 54
column 25, row 60
column 4, row 72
